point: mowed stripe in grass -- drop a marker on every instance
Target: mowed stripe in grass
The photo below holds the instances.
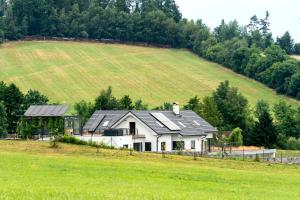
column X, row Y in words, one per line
column 68, row 72
column 32, row 170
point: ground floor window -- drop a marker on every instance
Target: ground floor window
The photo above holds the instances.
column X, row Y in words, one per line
column 193, row 144
column 148, row 146
column 125, row 146
column 178, row 145
column 163, row 146
column 138, row 147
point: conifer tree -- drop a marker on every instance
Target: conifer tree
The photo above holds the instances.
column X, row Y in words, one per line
column 3, row 120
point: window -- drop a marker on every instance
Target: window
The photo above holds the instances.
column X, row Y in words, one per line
column 138, row 146
column 125, row 146
column 163, row 146
column 105, row 123
column 193, row 144
column 132, row 129
column 182, row 124
column 147, row 146
column 178, row 145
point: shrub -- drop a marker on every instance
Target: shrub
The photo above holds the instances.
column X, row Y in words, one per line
column 54, row 142
column 282, row 141
column 77, row 141
column 257, row 159
column 72, row 140
column 236, row 137
column 293, row 143
column 100, row 145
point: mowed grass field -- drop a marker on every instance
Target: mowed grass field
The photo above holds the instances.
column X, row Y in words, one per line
column 68, row 72
column 32, row 170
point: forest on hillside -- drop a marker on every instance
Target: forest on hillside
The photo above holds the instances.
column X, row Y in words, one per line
column 249, row 49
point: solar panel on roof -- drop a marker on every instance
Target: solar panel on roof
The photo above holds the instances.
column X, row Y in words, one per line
column 160, row 124
column 166, row 121
column 105, row 123
column 96, row 123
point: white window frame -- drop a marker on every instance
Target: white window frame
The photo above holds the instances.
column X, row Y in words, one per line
column 105, row 124
column 193, row 144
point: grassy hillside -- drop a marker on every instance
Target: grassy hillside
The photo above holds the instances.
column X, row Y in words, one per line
column 70, row 71
column 32, row 170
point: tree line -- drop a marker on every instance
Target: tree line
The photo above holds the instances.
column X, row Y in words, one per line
column 13, row 104
column 249, row 50
column 226, row 108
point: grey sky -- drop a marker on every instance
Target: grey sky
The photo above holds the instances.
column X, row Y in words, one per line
column 284, row 14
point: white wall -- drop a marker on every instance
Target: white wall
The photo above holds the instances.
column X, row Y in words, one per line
column 117, row 142
column 150, row 135
column 187, row 142
column 168, row 140
column 120, row 141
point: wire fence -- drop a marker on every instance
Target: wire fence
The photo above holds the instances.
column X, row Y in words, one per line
column 265, row 155
column 229, row 153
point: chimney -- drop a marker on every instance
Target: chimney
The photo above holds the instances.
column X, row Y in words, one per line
column 176, row 108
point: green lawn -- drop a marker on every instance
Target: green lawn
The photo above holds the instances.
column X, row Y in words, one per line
column 32, row 170
column 71, row 71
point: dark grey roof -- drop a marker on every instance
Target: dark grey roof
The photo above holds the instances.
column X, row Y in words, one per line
column 188, row 121
column 46, row 111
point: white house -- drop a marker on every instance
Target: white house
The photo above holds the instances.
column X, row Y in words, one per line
column 150, row 131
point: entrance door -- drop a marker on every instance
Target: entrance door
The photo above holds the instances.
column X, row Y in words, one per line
column 138, row 146
column 148, row 146
column 132, row 128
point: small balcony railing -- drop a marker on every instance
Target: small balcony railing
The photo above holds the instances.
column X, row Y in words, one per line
column 133, row 132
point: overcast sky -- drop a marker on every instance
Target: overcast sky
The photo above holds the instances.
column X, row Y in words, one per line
column 284, row 14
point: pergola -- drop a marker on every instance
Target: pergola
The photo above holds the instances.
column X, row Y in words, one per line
column 44, row 113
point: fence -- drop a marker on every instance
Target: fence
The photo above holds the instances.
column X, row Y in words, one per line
column 264, row 155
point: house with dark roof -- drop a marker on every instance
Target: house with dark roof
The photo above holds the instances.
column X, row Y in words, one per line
column 150, row 131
